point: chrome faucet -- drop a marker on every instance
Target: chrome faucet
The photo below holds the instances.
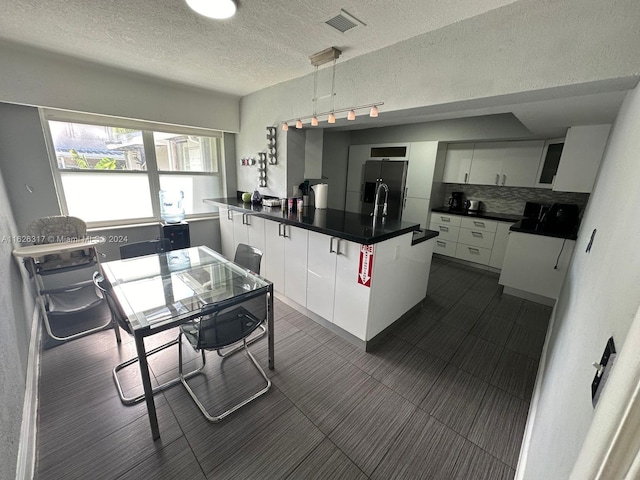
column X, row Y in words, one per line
column 376, row 202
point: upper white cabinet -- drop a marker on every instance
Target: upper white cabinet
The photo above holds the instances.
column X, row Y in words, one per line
column 511, row 164
column 581, row 157
column 549, row 163
column 457, row 163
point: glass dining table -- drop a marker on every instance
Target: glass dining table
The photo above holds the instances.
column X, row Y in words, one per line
column 161, row 291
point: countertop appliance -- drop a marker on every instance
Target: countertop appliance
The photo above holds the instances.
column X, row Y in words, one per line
column 473, row 206
column 561, row 218
column 456, row 202
column 391, row 173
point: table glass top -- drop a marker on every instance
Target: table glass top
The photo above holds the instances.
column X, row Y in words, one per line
column 156, row 289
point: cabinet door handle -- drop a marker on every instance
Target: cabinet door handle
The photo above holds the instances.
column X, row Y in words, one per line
column 440, row 243
column 497, row 178
column 279, row 229
column 466, row 177
column 284, row 231
column 477, row 234
column 504, row 180
column 475, row 251
column 479, row 224
column 338, row 246
column 445, row 219
column 443, row 228
column 331, row 250
column 229, row 215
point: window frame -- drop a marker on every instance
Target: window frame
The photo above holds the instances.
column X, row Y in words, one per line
column 151, row 173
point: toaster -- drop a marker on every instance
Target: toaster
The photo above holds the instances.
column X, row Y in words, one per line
column 472, row 205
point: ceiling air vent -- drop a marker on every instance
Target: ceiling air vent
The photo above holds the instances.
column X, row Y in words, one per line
column 343, row 22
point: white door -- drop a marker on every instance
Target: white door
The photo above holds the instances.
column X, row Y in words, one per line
column 416, row 210
column 226, row 232
column 321, row 274
column 457, row 163
column 272, row 267
column 295, row 264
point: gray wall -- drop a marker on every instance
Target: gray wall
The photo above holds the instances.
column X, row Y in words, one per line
column 599, row 299
column 335, row 158
column 16, row 307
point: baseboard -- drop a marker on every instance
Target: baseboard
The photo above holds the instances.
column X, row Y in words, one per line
column 26, row 460
column 534, row 297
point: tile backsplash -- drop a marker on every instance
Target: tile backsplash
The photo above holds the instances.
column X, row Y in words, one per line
column 512, row 199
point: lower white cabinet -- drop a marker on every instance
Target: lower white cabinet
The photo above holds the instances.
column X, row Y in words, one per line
column 469, row 238
column 286, row 257
column 226, row 232
column 536, row 264
column 499, row 245
column 237, row 227
column 333, row 291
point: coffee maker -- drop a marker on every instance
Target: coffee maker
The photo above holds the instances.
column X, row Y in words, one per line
column 456, row 202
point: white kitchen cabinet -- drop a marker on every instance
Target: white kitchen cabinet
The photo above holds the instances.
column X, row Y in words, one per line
column 273, row 265
column 500, row 244
column 457, row 163
column 286, row 259
column 333, row 291
column 240, row 233
column 353, row 202
column 321, row 274
column 226, row 232
column 535, row 266
column 512, row 164
column 581, row 157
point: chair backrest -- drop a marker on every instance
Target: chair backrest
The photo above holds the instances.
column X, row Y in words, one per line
column 228, row 322
column 60, row 229
column 248, row 257
column 105, row 290
column 146, row 247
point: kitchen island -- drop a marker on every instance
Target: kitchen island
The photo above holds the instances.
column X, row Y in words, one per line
column 354, row 274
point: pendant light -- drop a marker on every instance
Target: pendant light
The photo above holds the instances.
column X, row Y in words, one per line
column 317, row 59
column 218, row 9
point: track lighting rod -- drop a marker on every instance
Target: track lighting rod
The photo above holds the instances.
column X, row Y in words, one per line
column 338, row 110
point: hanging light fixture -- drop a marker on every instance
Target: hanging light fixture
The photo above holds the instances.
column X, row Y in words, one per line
column 218, row 9
column 317, row 59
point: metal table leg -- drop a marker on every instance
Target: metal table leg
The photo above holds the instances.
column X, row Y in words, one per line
column 270, row 328
column 146, row 384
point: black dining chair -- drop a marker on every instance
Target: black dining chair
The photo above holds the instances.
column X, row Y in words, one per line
column 121, row 319
column 219, row 325
column 250, row 258
column 145, row 247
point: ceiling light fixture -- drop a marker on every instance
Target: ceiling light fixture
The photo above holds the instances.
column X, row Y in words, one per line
column 218, row 9
column 317, row 59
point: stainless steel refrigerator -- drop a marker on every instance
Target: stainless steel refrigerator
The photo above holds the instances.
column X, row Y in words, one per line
column 394, row 175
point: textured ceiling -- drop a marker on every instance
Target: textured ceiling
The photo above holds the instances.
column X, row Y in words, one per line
column 267, row 42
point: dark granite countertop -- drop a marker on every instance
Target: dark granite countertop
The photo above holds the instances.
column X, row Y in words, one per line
column 534, row 227
column 501, row 217
column 338, row 223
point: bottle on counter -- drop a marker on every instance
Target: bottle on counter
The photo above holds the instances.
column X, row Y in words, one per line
column 256, row 197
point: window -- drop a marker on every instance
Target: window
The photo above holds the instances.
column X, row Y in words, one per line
column 110, row 174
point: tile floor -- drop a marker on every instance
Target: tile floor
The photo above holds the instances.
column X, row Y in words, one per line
column 445, row 396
